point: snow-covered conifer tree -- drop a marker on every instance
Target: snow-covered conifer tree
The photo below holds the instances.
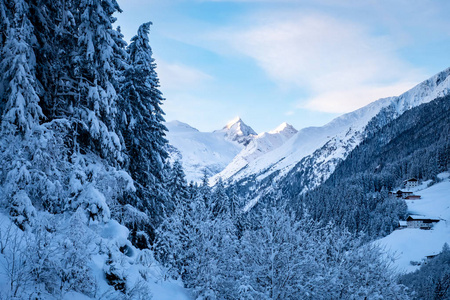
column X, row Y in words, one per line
column 97, row 60
column 21, row 111
column 219, row 199
column 176, row 184
column 4, row 22
column 140, row 123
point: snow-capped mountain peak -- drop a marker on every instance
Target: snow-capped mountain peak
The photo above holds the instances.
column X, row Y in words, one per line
column 259, row 145
column 284, row 128
column 230, row 124
column 237, row 131
column 202, row 152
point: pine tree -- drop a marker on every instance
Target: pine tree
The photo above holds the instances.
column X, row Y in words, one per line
column 236, row 206
column 176, row 185
column 140, row 124
column 4, row 23
column 219, row 200
column 99, row 56
column 21, row 111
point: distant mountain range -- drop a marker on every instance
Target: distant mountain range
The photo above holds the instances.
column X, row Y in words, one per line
column 237, row 154
column 206, row 152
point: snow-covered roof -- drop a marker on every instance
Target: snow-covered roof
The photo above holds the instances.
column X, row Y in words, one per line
column 421, row 218
column 411, row 180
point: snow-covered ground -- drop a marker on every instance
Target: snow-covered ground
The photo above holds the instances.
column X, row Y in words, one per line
column 409, row 244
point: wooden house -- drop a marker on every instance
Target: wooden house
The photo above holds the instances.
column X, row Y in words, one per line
column 400, row 194
column 410, row 183
column 402, row 224
column 430, row 257
column 420, row 222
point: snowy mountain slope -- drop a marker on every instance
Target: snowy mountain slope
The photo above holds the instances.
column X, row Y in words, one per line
column 334, row 141
column 303, row 143
column 258, row 146
column 206, row 151
column 410, row 244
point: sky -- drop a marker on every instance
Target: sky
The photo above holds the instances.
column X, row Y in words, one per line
column 304, row 62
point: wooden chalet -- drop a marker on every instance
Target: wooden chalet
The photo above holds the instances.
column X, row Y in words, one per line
column 400, row 194
column 420, row 222
column 410, row 183
column 430, row 257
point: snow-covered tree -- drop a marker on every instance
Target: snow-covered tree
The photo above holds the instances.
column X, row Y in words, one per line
column 200, row 248
column 176, row 185
column 4, row 22
column 19, row 108
column 276, row 256
column 140, row 123
column 220, row 203
column 432, row 280
column 99, row 56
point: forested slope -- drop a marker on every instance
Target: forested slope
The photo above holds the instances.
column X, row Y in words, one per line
column 416, row 144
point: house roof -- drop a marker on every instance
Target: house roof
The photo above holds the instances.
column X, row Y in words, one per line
column 403, row 192
column 411, row 180
column 421, row 218
column 413, row 196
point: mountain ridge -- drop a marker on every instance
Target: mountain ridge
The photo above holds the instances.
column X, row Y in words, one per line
column 210, row 152
column 338, row 137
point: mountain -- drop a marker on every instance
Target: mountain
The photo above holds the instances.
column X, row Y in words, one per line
column 414, row 145
column 237, row 131
column 319, row 149
column 207, row 152
column 258, row 146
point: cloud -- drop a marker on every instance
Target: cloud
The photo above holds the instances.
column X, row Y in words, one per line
column 339, row 63
column 175, row 76
column 341, row 101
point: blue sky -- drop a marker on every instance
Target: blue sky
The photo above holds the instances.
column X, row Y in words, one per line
column 300, row 61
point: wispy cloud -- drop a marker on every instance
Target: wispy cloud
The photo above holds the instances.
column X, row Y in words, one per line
column 339, row 63
column 175, row 76
column 304, row 61
column 345, row 100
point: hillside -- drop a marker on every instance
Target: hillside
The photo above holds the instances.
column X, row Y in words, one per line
column 413, row 244
column 355, row 195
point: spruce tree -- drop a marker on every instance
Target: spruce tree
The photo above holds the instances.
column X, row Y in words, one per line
column 4, row 22
column 21, row 111
column 141, row 127
column 97, row 60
